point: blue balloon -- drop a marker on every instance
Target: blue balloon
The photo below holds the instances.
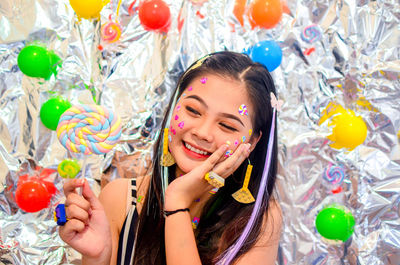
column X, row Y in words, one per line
column 267, row 53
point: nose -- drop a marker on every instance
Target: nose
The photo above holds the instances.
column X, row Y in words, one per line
column 204, row 131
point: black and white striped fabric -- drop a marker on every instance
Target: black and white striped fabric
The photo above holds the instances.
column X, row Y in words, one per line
column 127, row 235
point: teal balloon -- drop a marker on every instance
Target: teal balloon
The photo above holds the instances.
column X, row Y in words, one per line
column 267, row 53
column 51, row 111
column 335, row 223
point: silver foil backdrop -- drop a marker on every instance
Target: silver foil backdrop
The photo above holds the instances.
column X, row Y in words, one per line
column 354, row 62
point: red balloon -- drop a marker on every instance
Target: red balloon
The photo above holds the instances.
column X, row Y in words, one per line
column 155, row 15
column 265, row 13
column 34, row 192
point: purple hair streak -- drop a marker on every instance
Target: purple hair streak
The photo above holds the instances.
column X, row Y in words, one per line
column 232, row 251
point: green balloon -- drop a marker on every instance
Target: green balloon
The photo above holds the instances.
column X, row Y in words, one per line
column 55, row 62
column 34, row 61
column 51, row 111
column 335, row 222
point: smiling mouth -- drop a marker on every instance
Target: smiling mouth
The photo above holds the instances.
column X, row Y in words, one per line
column 195, row 150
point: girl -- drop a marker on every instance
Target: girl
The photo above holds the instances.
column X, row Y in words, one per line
column 219, row 125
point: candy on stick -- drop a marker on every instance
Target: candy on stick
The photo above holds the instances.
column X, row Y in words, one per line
column 89, row 129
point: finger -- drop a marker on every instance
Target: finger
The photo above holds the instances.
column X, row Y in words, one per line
column 78, row 200
column 209, row 164
column 75, row 212
column 72, row 227
column 228, row 166
column 89, row 195
column 71, row 185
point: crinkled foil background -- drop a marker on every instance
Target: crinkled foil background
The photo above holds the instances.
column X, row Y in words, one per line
column 356, row 63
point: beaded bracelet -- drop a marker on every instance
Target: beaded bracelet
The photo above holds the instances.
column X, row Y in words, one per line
column 168, row 213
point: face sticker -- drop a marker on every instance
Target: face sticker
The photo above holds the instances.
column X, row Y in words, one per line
column 243, row 139
column 243, row 110
column 228, row 153
column 236, row 142
column 181, row 124
column 203, row 80
column 173, row 131
column 228, row 142
column 178, row 107
column 176, row 117
column 190, row 88
column 169, row 138
column 250, row 132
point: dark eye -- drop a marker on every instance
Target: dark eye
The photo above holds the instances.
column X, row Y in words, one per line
column 228, row 127
column 192, row 110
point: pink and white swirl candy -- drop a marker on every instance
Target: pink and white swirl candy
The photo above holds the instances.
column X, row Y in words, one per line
column 334, row 174
column 111, row 32
column 311, row 34
column 89, row 129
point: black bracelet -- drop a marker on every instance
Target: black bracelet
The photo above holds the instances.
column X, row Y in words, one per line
column 168, row 213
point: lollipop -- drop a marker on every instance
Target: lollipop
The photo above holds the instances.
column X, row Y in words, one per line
column 111, row 32
column 311, row 34
column 334, row 174
column 89, row 129
column 68, row 168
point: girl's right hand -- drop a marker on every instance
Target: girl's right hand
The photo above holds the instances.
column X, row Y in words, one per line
column 87, row 229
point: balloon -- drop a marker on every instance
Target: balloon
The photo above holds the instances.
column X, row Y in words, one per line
column 154, row 15
column 51, row 111
column 267, row 53
column 34, row 61
column 55, row 62
column 68, row 168
column 335, row 223
column 33, row 195
column 265, row 13
column 238, row 10
column 87, row 8
column 348, row 130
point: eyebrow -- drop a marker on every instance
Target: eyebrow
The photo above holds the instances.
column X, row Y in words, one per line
column 223, row 114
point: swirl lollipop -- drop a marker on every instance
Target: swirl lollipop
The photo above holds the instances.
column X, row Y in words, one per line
column 334, row 174
column 111, row 32
column 311, row 34
column 89, row 129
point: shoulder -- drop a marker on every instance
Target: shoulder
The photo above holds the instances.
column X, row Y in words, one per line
column 113, row 198
column 265, row 250
column 272, row 225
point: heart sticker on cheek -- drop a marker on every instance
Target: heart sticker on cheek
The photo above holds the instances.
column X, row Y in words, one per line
column 176, row 117
column 236, row 142
column 181, row 124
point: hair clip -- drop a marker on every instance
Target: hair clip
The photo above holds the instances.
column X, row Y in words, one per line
column 276, row 103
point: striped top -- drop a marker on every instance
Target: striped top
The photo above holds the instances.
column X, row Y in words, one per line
column 127, row 236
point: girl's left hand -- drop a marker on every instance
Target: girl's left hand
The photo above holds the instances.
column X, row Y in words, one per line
column 185, row 189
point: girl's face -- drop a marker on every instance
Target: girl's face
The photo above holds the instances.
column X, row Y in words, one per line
column 212, row 111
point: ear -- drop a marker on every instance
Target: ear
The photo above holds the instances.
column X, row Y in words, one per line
column 254, row 140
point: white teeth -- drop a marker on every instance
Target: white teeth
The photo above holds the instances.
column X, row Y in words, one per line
column 191, row 148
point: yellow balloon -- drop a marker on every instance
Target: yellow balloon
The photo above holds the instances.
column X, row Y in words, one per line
column 348, row 129
column 87, row 8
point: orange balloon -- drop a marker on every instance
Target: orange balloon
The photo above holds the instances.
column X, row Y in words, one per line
column 238, row 10
column 265, row 13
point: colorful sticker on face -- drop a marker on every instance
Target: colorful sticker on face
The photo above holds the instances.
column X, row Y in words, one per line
column 178, row 107
column 181, row 124
column 228, row 153
column 236, row 142
column 250, row 132
column 203, row 80
column 228, row 142
column 173, row 131
column 243, row 139
column 243, row 110
column 190, row 88
column 169, row 138
column 176, row 117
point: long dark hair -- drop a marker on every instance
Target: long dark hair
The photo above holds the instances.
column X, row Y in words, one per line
column 223, row 218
